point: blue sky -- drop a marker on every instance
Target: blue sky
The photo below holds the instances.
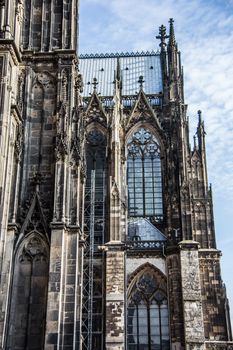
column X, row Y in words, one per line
column 204, row 33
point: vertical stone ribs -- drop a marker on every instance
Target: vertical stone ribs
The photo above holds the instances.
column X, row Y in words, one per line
column 39, row 133
column 49, row 25
column 115, row 299
column 175, row 299
column 215, row 308
column 29, row 294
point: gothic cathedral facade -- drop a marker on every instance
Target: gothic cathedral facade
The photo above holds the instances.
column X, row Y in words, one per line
column 106, row 221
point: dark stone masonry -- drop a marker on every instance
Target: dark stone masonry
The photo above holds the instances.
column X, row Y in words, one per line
column 106, row 217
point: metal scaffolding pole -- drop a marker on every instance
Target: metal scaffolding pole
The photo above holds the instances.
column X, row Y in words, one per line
column 91, row 257
column 89, row 217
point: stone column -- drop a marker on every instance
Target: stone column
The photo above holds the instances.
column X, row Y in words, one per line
column 191, row 290
column 56, row 279
column 175, row 298
column 6, row 279
column 63, row 310
column 115, row 296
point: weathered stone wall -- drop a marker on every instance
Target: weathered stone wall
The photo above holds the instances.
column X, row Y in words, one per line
column 63, row 318
column 191, row 295
column 115, row 298
column 214, row 299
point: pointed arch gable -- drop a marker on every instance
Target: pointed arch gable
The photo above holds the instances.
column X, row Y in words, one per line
column 95, row 111
column 147, row 310
column 143, row 112
column 29, row 293
column 147, row 267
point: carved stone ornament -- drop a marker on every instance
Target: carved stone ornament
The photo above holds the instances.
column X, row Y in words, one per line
column 34, row 249
column 19, row 142
column 142, row 112
column 95, row 111
column 45, row 79
column 79, row 83
column 75, row 150
column 34, row 246
column 20, row 95
column 61, row 149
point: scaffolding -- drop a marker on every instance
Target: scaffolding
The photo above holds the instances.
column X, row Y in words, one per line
column 92, row 315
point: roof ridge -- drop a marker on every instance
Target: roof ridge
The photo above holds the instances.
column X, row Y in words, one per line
column 119, row 54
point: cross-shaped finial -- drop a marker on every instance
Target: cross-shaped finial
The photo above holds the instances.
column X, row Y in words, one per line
column 162, row 36
column 95, row 83
column 171, row 20
column 141, row 81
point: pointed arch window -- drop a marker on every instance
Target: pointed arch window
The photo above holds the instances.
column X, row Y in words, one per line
column 147, row 315
column 144, row 175
column 29, row 294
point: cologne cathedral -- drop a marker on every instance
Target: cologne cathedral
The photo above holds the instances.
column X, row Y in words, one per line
column 107, row 235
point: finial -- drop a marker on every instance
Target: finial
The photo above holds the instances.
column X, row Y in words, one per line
column 141, row 81
column 201, row 124
column 37, row 179
column 95, row 83
column 172, row 39
column 195, row 142
column 118, row 70
column 162, row 36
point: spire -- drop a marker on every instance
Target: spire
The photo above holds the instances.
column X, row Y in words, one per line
column 118, row 70
column 162, row 36
column 117, row 76
column 174, row 65
column 201, row 132
column 195, row 142
column 172, row 39
column 201, row 146
column 200, row 122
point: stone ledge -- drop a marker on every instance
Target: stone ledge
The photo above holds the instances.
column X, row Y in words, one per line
column 189, row 245
column 114, row 297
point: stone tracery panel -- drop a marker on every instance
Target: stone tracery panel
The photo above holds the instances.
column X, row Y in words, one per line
column 147, row 311
column 29, row 293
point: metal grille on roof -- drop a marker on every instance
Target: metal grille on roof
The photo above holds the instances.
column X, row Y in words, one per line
column 103, row 67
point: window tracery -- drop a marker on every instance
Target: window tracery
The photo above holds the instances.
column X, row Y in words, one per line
column 144, row 175
column 148, row 322
column 29, row 293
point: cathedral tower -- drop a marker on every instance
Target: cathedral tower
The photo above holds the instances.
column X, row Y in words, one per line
column 106, row 219
column 41, row 175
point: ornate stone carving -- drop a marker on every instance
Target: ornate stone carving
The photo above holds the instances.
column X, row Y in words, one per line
column 19, row 142
column 61, row 149
column 34, row 248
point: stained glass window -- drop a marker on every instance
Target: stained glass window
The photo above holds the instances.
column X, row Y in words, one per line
column 144, row 175
column 148, row 322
